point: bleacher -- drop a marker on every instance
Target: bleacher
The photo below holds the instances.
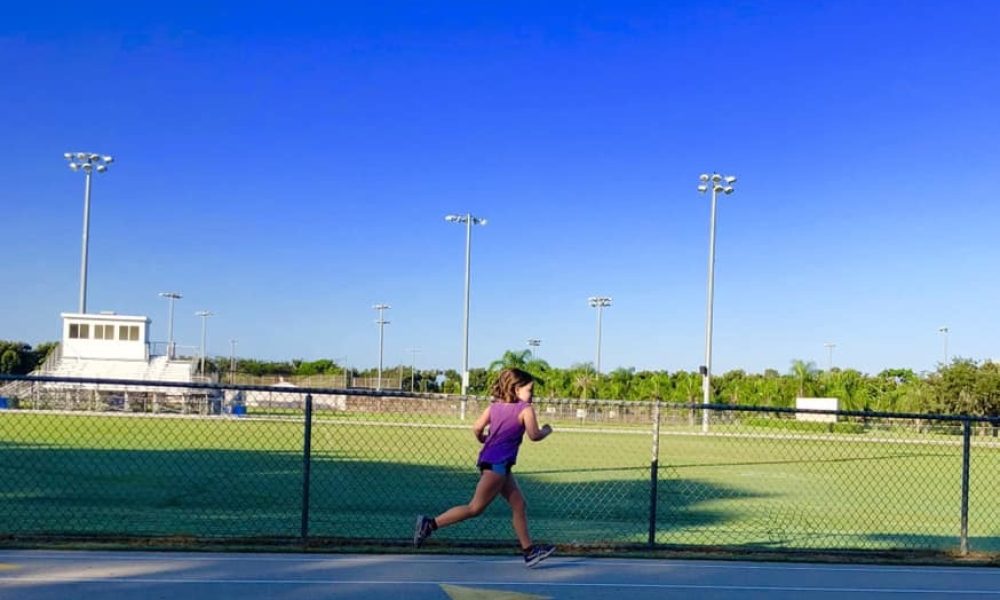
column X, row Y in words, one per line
column 157, row 368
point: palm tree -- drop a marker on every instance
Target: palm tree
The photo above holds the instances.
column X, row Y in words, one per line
column 519, row 359
column 584, row 378
column 805, row 373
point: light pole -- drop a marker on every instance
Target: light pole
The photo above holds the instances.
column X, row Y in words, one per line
column 829, row 361
column 171, row 296
column 534, row 343
column 381, row 322
column 944, row 332
column 600, row 303
column 232, row 361
column 413, row 365
column 88, row 162
column 469, row 221
column 724, row 184
column 204, row 314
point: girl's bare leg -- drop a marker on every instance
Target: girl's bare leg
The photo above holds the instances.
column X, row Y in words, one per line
column 519, row 509
column 489, row 486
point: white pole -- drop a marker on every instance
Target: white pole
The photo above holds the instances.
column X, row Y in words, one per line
column 86, row 235
column 468, row 278
column 718, row 183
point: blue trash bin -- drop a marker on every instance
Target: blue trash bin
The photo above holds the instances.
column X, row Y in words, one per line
column 239, row 410
column 4, row 402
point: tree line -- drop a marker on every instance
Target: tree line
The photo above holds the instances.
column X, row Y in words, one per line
column 964, row 386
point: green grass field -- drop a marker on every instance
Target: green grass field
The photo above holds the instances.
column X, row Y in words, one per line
column 740, row 487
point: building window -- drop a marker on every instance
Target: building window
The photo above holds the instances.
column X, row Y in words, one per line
column 123, row 332
column 79, row 331
column 74, row 331
column 98, row 332
column 133, row 333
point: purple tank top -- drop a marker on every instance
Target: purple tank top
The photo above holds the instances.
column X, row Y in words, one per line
column 506, row 432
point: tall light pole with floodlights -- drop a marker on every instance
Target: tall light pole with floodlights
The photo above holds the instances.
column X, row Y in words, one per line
column 944, row 333
column 716, row 183
column 381, row 322
column 88, row 162
column 534, row 343
column 829, row 361
column 204, row 314
column 171, row 296
column 600, row 303
column 232, row 361
column 469, row 221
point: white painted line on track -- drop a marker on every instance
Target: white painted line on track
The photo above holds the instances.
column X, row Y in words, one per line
column 507, row 584
column 562, row 560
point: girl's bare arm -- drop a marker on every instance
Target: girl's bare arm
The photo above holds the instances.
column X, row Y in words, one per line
column 535, row 433
column 479, row 427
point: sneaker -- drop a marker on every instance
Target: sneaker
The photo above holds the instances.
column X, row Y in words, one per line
column 423, row 530
column 537, row 554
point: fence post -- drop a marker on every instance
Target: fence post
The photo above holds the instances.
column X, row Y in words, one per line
column 653, row 473
column 966, row 443
column 306, row 468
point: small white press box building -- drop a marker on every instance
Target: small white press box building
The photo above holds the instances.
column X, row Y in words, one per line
column 105, row 336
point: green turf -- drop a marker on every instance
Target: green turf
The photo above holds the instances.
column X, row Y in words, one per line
column 99, row 475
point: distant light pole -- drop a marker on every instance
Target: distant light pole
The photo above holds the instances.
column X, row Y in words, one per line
column 381, row 308
column 413, row 365
column 944, row 332
column 829, row 361
column 533, row 343
column 204, row 314
column 232, row 361
column 600, row 303
column 469, row 221
column 342, row 360
column 88, row 162
column 171, row 296
column 718, row 184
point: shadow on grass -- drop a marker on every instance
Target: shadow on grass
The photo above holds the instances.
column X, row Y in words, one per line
column 213, row 494
column 254, row 497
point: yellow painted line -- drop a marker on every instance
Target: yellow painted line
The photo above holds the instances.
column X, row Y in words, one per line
column 457, row 592
column 7, row 567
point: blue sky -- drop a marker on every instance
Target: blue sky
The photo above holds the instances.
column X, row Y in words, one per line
column 288, row 166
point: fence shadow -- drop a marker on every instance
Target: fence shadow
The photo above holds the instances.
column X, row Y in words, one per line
column 238, row 494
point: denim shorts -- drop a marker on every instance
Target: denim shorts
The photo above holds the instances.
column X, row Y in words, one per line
column 502, row 468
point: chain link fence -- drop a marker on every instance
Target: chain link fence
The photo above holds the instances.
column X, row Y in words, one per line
column 99, row 459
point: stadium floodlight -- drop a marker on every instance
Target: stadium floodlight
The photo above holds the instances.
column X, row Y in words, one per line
column 706, row 369
column 600, row 303
column 533, row 344
column 381, row 322
column 944, row 333
column 829, row 362
column 171, row 296
column 469, row 221
column 88, row 162
column 204, row 314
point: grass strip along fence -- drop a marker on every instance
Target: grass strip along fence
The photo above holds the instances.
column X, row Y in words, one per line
column 105, row 460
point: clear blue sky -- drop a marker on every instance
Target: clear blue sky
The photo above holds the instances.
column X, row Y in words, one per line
column 289, row 165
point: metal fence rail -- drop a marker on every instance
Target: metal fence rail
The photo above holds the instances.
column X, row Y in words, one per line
column 140, row 459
